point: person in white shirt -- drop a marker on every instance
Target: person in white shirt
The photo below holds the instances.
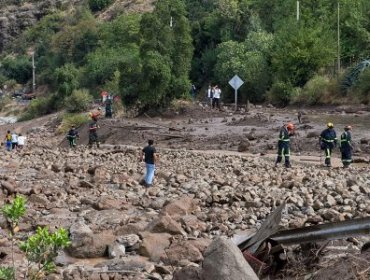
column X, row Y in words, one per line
column 216, row 97
column 14, row 140
column 21, row 141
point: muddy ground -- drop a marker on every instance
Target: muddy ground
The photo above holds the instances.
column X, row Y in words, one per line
column 197, row 127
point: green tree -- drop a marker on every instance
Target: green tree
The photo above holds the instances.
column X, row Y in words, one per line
column 165, row 54
column 300, row 51
column 18, row 68
column 67, row 79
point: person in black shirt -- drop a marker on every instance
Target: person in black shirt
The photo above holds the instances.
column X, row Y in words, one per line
column 149, row 156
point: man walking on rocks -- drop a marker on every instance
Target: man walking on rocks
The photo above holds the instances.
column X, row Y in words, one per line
column 328, row 140
column 150, row 157
column 346, row 146
column 284, row 144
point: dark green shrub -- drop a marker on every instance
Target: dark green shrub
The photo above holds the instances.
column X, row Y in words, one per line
column 363, row 83
column 78, row 101
column 38, row 107
column 98, row 5
column 280, row 93
column 18, row 68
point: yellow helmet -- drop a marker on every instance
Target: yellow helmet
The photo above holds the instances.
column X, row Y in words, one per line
column 330, row 125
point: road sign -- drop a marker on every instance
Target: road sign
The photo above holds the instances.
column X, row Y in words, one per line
column 236, row 82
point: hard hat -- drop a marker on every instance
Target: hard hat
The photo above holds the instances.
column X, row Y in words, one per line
column 348, row 127
column 330, row 125
column 290, row 126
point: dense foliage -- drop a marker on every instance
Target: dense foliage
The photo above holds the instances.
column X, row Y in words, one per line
column 152, row 58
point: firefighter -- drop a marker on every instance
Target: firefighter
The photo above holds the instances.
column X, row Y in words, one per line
column 93, row 135
column 328, row 141
column 346, row 146
column 95, row 115
column 72, row 136
column 284, row 144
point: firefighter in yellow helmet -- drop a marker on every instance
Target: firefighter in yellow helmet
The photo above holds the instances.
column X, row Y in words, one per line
column 328, row 141
column 284, row 144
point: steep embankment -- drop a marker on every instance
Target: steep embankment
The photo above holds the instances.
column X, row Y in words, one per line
column 17, row 16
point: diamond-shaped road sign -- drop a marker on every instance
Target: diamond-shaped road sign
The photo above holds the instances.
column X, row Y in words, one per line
column 236, row 82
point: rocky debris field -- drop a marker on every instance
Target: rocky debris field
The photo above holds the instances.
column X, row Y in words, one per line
column 122, row 230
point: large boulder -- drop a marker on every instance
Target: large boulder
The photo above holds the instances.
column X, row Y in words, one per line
column 181, row 207
column 224, row 261
column 86, row 244
column 154, row 245
column 182, row 251
column 166, row 224
column 188, row 273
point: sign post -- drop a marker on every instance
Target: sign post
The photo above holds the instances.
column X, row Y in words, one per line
column 236, row 83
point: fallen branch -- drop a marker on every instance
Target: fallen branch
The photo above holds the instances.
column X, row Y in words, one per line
column 170, row 128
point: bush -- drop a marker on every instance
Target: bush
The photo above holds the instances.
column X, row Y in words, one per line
column 363, row 83
column 313, row 92
column 78, row 101
column 280, row 93
column 42, row 248
column 98, row 5
column 6, row 273
column 72, row 119
column 18, row 68
column 38, row 107
column 4, row 101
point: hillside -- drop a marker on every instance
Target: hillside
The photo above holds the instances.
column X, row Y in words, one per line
column 16, row 16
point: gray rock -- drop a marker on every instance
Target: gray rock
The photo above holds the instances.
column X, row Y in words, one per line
column 224, row 261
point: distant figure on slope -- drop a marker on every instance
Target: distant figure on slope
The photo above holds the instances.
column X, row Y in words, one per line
column 108, row 107
column 14, row 141
column 21, row 141
column 300, row 116
column 8, row 141
column 284, row 144
column 210, row 94
column 193, row 92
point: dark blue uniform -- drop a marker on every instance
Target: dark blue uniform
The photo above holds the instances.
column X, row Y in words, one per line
column 346, row 148
column 328, row 140
column 284, row 146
